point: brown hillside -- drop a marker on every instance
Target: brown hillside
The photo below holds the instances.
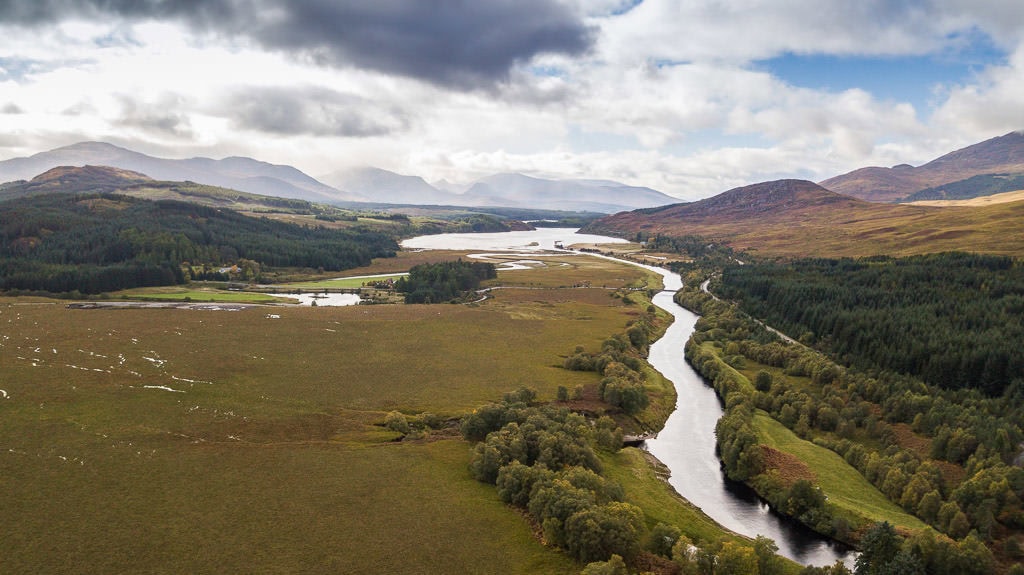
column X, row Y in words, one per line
column 69, row 179
column 800, row 218
column 1004, row 154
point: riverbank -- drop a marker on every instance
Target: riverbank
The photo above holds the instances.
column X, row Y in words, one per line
column 797, row 477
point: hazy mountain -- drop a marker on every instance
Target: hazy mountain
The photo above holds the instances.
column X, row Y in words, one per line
column 801, row 218
column 591, row 195
column 505, row 190
column 377, row 185
column 359, row 185
column 1001, row 155
column 244, row 174
column 450, row 187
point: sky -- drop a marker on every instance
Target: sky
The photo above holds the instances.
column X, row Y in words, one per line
column 689, row 97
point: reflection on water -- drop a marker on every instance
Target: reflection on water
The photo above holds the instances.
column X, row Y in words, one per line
column 328, row 300
column 533, row 240
column 687, row 446
column 687, row 443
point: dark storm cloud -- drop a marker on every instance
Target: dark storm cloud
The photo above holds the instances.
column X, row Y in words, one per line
column 458, row 43
column 314, row 111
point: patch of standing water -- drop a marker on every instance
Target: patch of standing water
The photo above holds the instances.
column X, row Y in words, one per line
column 526, row 241
column 328, row 300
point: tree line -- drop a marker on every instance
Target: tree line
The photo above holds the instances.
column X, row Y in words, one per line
column 955, row 320
column 96, row 243
column 855, row 414
column 544, row 460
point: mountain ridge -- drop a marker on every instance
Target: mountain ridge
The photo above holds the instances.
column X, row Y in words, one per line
column 1002, row 154
column 360, row 185
column 235, row 172
column 504, row 189
column 798, row 218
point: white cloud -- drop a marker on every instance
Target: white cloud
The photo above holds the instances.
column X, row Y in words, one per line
column 668, row 96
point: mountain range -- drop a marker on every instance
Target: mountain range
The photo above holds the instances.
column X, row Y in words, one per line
column 1001, row 155
column 238, row 173
column 506, row 190
column 362, row 185
column 801, row 218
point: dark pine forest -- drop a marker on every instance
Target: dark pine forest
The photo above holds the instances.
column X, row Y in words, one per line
column 97, row 243
column 955, row 320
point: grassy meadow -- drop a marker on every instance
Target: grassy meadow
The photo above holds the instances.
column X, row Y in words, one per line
column 175, row 440
column 847, row 489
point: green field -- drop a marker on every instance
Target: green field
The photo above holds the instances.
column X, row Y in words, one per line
column 184, row 294
column 335, row 283
column 174, row 440
column 845, row 487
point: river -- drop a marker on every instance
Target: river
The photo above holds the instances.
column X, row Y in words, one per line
column 687, row 443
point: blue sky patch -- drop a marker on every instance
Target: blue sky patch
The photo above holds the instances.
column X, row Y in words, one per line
column 910, row 79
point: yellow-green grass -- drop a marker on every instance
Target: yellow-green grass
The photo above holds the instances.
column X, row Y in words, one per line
column 441, row 358
column 803, row 383
column 845, row 487
column 745, row 386
column 576, row 270
column 853, row 229
column 341, row 282
column 168, row 440
column 182, row 294
column 1003, row 198
column 167, row 505
column 634, row 469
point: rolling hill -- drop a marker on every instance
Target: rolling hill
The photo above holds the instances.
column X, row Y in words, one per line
column 105, row 179
column 1001, row 155
column 801, row 218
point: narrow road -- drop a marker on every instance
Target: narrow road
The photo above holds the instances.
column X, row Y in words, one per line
column 786, row 338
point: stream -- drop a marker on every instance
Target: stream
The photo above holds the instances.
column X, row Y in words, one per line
column 686, row 445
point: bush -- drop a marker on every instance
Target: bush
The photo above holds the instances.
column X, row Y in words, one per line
column 396, row 421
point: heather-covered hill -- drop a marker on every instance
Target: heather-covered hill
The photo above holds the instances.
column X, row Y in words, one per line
column 801, row 218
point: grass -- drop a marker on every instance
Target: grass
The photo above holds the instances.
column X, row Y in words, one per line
column 341, row 282
column 183, row 294
column 632, row 468
column 852, row 229
column 178, row 507
column 845, row 487
column 168, row 440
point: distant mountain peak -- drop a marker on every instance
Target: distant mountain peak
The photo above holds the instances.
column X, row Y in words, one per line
column 763, row 198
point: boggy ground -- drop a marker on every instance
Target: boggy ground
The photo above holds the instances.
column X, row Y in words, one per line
column 179, row 440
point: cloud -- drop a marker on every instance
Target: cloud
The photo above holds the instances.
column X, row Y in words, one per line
column 11, row 109
column 453, row 43
column 163, row 116
column 312, row 110
column 990, row 105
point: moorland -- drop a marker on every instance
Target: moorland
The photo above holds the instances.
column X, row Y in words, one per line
column 363, row 439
